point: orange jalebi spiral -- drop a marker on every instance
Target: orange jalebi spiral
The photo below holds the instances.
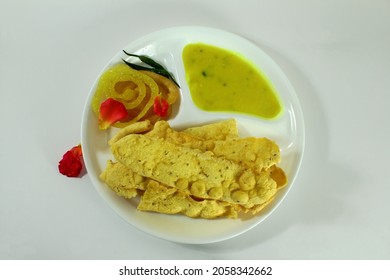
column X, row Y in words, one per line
column 137, row 90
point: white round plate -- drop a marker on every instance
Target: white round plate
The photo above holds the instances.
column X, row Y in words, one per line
column 287, row 130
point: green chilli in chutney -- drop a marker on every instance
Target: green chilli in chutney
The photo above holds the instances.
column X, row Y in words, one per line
column 222, row 81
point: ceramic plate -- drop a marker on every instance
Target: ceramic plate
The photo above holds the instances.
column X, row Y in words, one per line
column 165, row 46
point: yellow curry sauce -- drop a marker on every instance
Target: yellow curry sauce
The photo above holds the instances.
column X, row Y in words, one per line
column 220, row 80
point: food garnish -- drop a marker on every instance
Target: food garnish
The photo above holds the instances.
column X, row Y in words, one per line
column 110, row 112
column 160, row 106
column 71, row 163
column 155, row 66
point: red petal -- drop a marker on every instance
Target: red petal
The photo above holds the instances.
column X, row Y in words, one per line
column 77, row 151
column 160, row 106
column 70, row 164
column 110, row 112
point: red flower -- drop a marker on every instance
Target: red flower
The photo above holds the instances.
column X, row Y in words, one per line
column 71, row 165
column 160, row 106
column 110, row 112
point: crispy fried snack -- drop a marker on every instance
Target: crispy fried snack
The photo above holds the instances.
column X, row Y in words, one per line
column 160, row 198
column 138, row 127
column 163, row 199
column 278, row 175
column 255, row 153
column 198, row 173
column 205, row 171
column 265, row 156
column 255, row 209
column 221, row 130
column 123, row 180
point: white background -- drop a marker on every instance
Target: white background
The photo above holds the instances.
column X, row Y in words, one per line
column 335, row 53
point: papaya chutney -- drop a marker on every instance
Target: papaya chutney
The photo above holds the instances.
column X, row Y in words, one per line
column 222, row 81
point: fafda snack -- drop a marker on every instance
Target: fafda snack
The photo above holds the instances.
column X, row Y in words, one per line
column 206, row 171
column 163, row 199
column 195, row 172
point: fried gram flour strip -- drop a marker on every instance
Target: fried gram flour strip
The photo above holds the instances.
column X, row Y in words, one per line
column 163, row 199
column 198, row 173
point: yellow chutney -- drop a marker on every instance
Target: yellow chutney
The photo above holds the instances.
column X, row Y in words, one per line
column 222, row 81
